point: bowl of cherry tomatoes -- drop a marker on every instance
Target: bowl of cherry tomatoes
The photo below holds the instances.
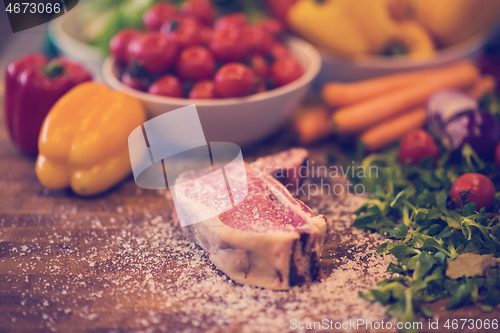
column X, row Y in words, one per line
column 245, row 79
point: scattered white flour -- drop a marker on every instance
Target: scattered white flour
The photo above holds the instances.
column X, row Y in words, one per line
column 155, row 280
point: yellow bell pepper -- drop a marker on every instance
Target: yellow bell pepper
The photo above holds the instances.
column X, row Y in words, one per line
column 358, row 28
column 84, row 139
column 454, row 21
column 415, row 38
column 327, row 26
column 346, row 28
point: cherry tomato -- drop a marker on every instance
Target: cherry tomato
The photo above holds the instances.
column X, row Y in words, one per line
column 157, row 15
column 259, row 65
column 195, row 63
column 203, row 90
column 234, row 80
column 261, row 87
column 229, row 44
column 168, row 86
column 285, row 70
column 279, row 51
column 206, row 34
column 272, row 26
column 280, row 8
column 417, row 145
column 475, row 188
column 259, row 41
column 185, row 31
column 202, row 10
column 153, row 50
column 119, row 44
column 497, row 155
column 232, row 20
column 137, row 83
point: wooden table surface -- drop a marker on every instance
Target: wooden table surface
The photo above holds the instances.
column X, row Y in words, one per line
column 74, row 264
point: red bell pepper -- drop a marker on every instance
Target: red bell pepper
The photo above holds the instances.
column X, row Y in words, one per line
column 33, row 85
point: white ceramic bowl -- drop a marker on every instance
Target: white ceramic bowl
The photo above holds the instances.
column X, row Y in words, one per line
column 64, row 33
column 238, row 120
column 337, row 69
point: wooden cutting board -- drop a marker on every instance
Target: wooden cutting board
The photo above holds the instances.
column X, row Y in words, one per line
column 114, row 263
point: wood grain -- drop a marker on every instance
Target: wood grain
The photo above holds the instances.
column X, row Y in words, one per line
column 47, row 285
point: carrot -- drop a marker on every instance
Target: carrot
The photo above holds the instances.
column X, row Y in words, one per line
column 389, row 131
column 337, row 94
column 361, row 116
column 485, row 84
column 313, row 125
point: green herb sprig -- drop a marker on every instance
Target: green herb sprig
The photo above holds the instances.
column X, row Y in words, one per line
column 410, row 206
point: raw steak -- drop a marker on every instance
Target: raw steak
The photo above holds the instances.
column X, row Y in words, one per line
column 270, row 239
column 284, row 166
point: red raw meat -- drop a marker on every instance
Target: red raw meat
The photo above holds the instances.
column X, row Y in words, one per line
column 270, row 239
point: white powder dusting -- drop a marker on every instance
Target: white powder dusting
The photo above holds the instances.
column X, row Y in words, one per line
column 147, row 274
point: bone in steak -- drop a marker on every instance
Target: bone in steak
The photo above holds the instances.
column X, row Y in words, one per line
column 270, row 239
column 284, row 166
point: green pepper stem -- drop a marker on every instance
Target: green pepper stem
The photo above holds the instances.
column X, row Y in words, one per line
column 54, row 69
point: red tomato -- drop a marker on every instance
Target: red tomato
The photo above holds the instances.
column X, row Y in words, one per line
column 234, row 80
column 153, row 50
column 195, row 63
column 202, row 10
column 168, row 86
column 232, row 20
column 285, row 70
column 158, row 14
column 272, row 26
column 259, row 41
column 137, row 83
column 497, row 155
column 185, row 31
column 203, row 90
column 229, row 45
column 259, row 65
column 479, row 187
column 206, row 34
column 417, row 145
column 261, row 87
column 280, row 8
column 119, row 44
column 279, row 51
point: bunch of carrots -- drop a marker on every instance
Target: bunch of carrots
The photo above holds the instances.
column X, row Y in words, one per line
column 382, row 110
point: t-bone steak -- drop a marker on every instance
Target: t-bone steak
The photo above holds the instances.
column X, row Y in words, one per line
column 270, row 239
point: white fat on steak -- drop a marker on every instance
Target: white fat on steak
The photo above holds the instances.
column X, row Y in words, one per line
column 270, row 239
